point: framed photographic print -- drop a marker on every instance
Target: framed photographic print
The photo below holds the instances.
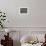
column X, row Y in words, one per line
column 23, row 10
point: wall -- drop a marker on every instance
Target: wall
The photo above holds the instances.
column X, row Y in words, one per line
column 38, row 13
column 12, row 7
column 36, row 16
